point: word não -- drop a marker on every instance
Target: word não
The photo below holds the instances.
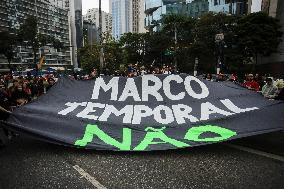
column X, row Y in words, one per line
column 153, row 136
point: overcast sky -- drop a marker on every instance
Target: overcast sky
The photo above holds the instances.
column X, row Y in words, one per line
column 88, row 4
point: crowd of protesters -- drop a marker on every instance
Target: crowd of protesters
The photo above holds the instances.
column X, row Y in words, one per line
column 267, row 86
column 135, row 70
column 17, row 91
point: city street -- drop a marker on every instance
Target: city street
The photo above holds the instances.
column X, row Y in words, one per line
column 141, row 94
column 254, row 162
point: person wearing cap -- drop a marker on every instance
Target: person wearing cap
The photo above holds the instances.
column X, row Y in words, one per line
column 143, row 71
column 251, row 84
column 51, row 82
column 269, row 90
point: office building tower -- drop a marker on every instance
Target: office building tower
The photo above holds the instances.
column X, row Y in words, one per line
column 90, row 32
column 154, row 9
column 76, row 28
column 52, row 16
column 234, row 7
column 138, row 16
column 121, row 11
column 93, row 15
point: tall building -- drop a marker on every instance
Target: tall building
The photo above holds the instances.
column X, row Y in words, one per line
column 197, row 8
column 121, row 11
column 154, row 9
column 52, row 18
column 235, row 7
column 76, row 28
column 93, row 15
column 254, row 5
column 90, row 32
column 138, row 16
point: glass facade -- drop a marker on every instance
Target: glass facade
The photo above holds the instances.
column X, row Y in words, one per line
column 121, row 17
column 90, row 32
column 236, row 7
column 116, row 25
column 197, row 8
column 154, row 9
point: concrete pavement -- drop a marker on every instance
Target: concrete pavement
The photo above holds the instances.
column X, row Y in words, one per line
column 27, row 163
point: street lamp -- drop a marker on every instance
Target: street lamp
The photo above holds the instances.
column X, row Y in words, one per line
column 219, row 40
column 196, row 61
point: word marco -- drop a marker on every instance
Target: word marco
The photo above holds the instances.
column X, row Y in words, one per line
column 154, row 136
column 166, row 85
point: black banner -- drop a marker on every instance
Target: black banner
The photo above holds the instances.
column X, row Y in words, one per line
column 147, row 113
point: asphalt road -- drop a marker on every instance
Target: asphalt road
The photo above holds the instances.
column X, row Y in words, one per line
column 27, row 163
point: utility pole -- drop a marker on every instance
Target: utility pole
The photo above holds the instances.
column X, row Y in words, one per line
column 39, row 50
column 231, row 7
column 101, row 37
column 175, row 58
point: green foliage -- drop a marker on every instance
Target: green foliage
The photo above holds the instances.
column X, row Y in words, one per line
column 113, row 55
column 29, row 33
column 89, row 57
column 132, row 44
column 244, row 37
column 8, row 43
column 258, row 34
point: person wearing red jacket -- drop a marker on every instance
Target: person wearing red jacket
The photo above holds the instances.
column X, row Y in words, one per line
column 251, row 83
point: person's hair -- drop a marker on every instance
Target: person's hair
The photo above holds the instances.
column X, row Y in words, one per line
column 268, row 79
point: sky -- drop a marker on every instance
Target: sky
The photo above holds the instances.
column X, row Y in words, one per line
column 88, row 4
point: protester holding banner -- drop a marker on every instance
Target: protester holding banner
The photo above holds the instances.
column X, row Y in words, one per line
column 51, row 82
column 4, row 97
column 153, row 112
column 251, row 84
column 269, row 90
column 19, row 95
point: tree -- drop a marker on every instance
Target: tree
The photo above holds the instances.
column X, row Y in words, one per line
column 205, row 45
column 8, row 43
column 29, row 32
column 258, row 33
column 90, row 54
column 132, row 44
column 179, row 29
column 155, row 46
column 90, row 57
column 113, row 54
